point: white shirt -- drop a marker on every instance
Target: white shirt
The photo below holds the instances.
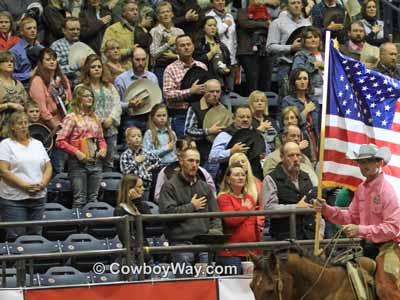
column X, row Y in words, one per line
column 27, row 163
column 227, row 35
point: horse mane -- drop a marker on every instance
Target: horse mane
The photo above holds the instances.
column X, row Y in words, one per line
column 283, row 253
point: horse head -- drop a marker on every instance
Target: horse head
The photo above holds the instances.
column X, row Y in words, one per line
column 268, row 278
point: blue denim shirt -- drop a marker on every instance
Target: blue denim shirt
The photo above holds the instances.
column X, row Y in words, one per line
column 167, row 156
column 22, row 64
column 305, row 59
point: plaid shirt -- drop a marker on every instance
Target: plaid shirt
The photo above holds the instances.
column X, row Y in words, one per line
column 160, row 36
column 75, row 127
column 173, row 76
column 129, row 165
column 61, row 47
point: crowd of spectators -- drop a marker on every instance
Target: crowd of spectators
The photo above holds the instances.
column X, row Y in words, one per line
column 166, row 153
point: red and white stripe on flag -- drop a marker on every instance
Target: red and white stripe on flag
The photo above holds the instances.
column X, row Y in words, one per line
column 343, row 134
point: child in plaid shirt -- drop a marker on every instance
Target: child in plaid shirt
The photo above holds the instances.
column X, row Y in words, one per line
column 136, row 161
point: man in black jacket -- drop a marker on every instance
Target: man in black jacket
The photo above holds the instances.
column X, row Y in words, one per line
column 287, row 187
column 184, row 193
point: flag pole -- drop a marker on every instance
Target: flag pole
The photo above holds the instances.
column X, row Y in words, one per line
column 317, row 250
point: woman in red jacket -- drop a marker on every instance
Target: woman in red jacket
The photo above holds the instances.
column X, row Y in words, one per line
column 234, row 196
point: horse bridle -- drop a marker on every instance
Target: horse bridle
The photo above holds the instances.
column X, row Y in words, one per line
column 278, row 285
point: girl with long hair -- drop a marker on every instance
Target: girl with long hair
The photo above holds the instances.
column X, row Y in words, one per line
column 300, row 95
column 212, row 52
column 50, row 89
column 160, row 139
column 81, row 136
column 107, row 105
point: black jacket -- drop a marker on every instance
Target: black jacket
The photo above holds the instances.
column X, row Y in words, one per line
column 92, row 29
column 289, row 194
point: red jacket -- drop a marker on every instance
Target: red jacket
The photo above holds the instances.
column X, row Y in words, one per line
column 243, row 229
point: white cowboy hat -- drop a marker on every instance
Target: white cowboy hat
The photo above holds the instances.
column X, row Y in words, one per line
column 78, row 52
column 370, row 151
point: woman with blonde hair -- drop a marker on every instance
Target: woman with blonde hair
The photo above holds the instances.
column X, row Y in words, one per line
column 82, row 138
column 234, row 196
column 254, row 185
column 25, row 170
column 108, row 105
column 266, row 125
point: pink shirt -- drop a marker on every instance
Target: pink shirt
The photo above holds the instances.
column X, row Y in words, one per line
column 375, row 208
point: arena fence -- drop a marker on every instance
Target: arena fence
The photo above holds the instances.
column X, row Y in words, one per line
column 134, row 254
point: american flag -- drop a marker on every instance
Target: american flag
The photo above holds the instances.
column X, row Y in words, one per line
column 363, row 108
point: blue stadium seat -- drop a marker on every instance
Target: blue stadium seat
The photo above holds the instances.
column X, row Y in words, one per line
column 85, row 242
column 59, row 190
column 56, row 211
column 114, row 243
column 10, row 278
column 34, row 244
column 109, row 187
column 63, row 276
column 99, row 210
column 232, row 99
column 274, row 105
column 107, row 276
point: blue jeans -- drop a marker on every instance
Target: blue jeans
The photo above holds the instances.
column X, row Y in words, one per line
column 231, row 261
column 108, row 162
column 187, row 258
column 178, row 125
column 22, row 210
column 85, row 181
column 58, row 160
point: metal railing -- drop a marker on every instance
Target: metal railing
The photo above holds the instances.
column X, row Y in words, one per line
column 131, row 251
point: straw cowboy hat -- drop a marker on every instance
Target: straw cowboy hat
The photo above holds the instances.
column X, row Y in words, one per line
column 146, row 89
column 78, row 52
column 370, row 151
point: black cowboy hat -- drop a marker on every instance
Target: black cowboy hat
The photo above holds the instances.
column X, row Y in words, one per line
column 253, row 139
column 296, row 34
column 193, row 74
column 334, row 14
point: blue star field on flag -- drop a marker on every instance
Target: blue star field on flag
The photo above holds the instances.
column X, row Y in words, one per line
column 358, row 93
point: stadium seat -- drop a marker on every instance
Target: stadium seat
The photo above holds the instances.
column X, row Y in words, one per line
column 114, row 243
column 232, row 99
column 34, row 244
column 56, row 211
column 10, row 278
column 63, row 276
column 107, row 276
column 85, row 242
column 99, row 210
column 109, row 187
column 274, row 105
column 59, row 190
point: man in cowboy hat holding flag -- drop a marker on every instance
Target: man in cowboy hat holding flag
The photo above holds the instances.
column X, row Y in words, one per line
column 373, row 215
